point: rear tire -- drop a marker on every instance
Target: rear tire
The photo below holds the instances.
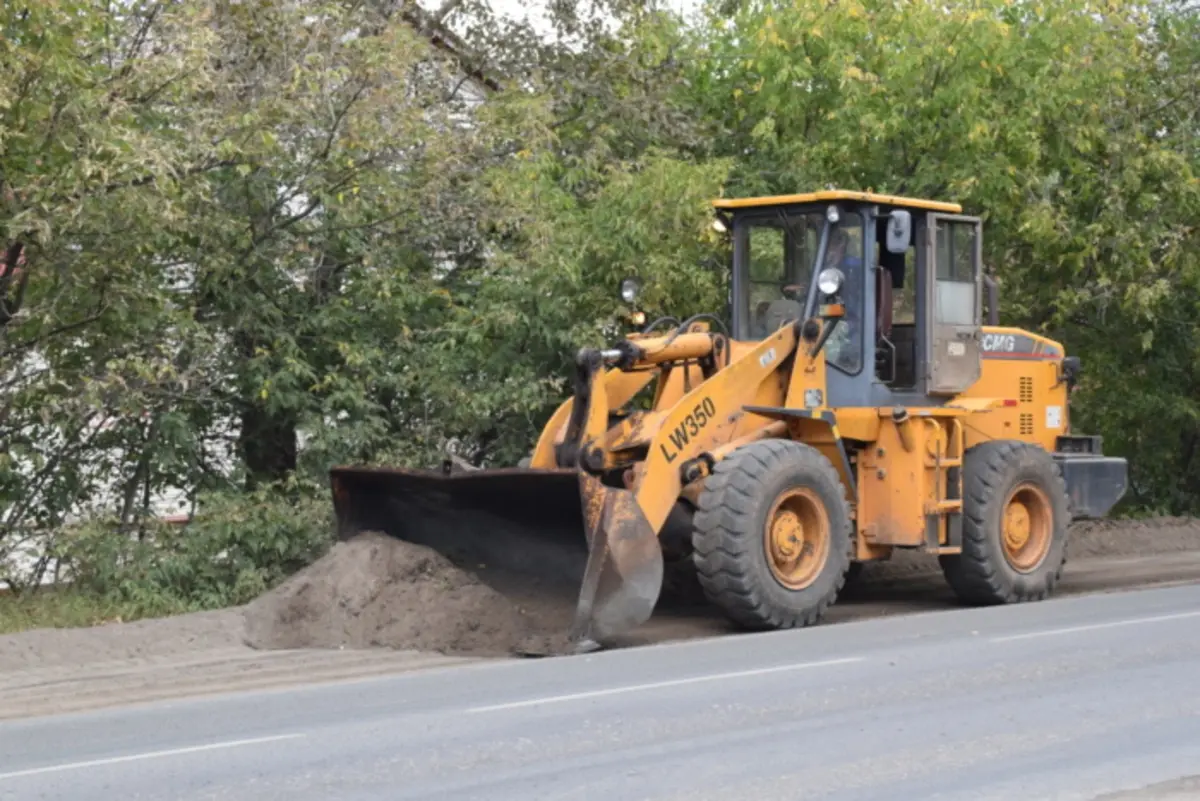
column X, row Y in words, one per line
column 772, row 535
column 1015, row 518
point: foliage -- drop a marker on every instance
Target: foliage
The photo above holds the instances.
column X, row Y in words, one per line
column 1070, row 126
column 244, row 241
column 64, row 608
column 235, row 548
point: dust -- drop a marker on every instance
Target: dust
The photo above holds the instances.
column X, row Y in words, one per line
column 377, row 591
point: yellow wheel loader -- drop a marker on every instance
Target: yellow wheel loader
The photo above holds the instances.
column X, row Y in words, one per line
column 856, row 403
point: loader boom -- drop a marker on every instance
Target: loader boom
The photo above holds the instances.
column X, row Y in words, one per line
column 637, row 471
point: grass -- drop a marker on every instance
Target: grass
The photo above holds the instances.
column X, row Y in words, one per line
column 67, row 608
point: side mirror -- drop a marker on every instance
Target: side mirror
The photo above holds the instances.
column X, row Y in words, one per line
column 899, row 231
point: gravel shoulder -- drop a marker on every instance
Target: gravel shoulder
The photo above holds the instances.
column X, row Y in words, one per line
column 52, row 671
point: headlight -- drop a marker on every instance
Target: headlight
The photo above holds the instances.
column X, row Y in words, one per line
column 629, row 290
column 830, row 280
column 832, row 215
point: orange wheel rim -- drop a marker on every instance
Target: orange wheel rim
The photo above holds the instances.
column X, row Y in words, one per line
column 797, row 538
column 1027, row 527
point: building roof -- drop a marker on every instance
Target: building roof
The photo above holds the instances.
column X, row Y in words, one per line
column 432, row 28
column 836, row 194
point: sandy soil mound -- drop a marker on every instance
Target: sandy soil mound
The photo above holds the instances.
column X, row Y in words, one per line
column 1159, row 535
column 378, row 591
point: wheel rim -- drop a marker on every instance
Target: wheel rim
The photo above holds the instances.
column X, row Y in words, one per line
column 1026, row 530
column 797, row 538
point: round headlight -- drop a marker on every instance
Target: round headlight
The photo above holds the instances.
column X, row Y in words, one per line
column 832, row 215
column 830, row 280
column 629, row 290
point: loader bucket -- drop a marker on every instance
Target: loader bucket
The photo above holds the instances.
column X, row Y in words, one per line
column 527, row 533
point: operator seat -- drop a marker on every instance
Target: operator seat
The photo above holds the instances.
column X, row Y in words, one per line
column 780, row 312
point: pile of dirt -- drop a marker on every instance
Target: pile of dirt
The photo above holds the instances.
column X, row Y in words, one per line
column 377, row 591
column 1158, row 535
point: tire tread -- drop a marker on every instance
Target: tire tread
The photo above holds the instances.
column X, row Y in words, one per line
column 980, row 575
column 727, row 538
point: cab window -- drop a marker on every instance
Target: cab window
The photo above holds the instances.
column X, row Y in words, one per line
column 845, row 252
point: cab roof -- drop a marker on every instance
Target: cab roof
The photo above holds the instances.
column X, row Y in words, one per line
column 836, row 194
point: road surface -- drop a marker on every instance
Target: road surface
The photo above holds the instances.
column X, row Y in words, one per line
column 1076, row 698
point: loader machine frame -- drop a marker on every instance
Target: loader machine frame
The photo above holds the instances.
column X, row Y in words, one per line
column 856, row 403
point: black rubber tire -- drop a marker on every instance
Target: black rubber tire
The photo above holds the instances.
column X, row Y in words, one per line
column 681, row 588
column 981, row 575
column 728, row 537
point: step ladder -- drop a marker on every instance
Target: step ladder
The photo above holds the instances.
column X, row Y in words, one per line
column 945, row 467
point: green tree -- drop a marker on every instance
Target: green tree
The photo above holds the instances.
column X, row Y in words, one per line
column 1068, row 125
column 97, row 162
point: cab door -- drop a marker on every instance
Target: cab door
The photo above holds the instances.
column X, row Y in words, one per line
column 954, row 255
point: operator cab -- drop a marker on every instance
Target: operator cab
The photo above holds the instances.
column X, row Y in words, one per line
column 907, row 273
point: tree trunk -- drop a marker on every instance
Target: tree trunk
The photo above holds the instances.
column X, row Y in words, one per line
column 268, row 445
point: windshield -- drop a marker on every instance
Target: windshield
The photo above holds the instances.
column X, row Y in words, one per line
column 780, row 253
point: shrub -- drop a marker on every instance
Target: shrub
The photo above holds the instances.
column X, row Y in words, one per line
column 236, row 547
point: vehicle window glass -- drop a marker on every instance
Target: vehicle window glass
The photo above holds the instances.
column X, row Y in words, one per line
column 904, row 299
column 845, row 251
column 780, row 253
column 766, row 254
column 955, row 299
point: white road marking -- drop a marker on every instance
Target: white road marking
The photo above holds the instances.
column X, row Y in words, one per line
column 92, row 763
column 553, row 699
column 1094, row 626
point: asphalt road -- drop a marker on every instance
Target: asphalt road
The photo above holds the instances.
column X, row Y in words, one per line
column 1067, row 699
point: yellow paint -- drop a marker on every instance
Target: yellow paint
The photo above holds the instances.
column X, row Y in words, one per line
column 891, row 492
column 902, row 476
column 1025, row 390
column 620, row 387
column 770, row 392
column 675, row 383
column 860, row 424
column 905, row 475
column 973, row 405
column 659, row 484
column 775, row 429
column 837, row 194
column 808, row 374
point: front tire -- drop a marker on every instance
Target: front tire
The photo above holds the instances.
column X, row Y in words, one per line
column 772, row 535
column 1015, row 518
